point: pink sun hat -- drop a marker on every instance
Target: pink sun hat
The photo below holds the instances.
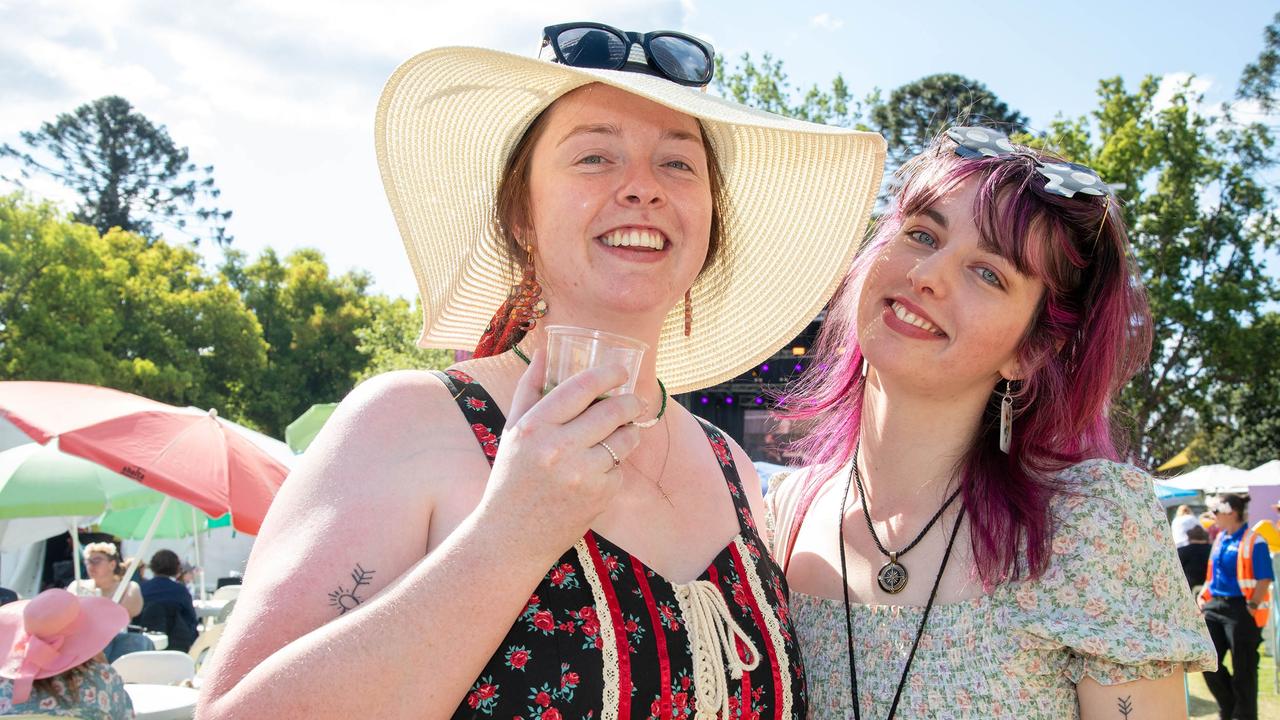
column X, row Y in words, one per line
column 52, row 633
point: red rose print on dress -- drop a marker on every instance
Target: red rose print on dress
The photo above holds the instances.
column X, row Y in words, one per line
column 484, row 695
column 488, row 441
column 721, row 449
column 460, row 376
column 477, row 404
column 542, row 620
column 517, row 657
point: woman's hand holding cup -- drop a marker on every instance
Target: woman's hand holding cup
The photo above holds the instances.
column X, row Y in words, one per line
column 557, row 462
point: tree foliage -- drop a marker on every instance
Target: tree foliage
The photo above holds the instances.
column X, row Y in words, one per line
column 1244, row 428
column 389, row 341
column 1201, row 219
column 260, row 341
column 915, row 113
column 309, row 320
column 119, row 311
column 908, row 118
column 1261, row 78
column 765, row 86
column 127, row 171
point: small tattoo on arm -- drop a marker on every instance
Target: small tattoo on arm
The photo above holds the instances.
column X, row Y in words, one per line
column 345, row 599
column 1125, row 705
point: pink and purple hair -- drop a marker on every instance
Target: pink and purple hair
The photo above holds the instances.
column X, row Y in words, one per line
column 1089, row 336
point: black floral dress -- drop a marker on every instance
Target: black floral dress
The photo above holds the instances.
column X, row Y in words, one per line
column 604, row 636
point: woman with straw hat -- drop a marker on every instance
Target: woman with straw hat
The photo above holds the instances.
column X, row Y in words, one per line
column 465, row 546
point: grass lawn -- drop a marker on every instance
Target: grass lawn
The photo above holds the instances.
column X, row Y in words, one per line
column 1203, row 706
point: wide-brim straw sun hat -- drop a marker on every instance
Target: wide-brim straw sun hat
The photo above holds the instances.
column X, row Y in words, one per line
column 798, row 198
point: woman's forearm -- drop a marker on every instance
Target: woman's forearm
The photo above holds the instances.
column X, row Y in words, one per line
column 411, row 651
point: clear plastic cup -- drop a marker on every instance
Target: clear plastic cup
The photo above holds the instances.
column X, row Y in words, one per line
column 570, row 350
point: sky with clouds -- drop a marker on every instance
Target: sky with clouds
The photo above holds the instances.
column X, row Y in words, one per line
column 280, row 96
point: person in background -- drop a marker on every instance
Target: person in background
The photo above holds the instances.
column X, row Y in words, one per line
column 1235, row 602
column 1183, row 521
column 106, row 572
column 1194, row 556
column 167, row 604
column 51, row 657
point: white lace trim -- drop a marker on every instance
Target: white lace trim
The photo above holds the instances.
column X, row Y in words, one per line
column 712, row 630
column 770, row 623
column 610, row 696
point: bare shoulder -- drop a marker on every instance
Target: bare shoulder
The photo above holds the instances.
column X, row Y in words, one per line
column 750, row 481
column 353, row 516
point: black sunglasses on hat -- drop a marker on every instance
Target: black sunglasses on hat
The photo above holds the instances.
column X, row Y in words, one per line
column 678, row 57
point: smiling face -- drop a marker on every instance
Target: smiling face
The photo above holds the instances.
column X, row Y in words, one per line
column 620, row 199
column 941, row 309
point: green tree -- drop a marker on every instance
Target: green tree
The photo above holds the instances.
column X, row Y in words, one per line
column 909, row 118
column 309, row 320
column 126, row 170
column 765, row 86
column 55, row 319
column 1261, row 78
column 1244, row 429
column 916, row 112
column 389, row 341
column 120, row 311
column 1200, row 221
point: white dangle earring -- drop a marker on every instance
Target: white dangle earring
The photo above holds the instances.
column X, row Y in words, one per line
column 865, row 365
column 1006, row 420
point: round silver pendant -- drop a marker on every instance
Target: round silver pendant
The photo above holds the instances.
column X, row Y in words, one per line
column 892, row 577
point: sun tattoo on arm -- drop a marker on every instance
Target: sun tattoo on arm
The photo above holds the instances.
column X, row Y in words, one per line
column 345, row 599
column 1125, row 706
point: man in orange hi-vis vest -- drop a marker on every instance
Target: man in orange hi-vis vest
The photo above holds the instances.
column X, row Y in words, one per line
column 1235, row 601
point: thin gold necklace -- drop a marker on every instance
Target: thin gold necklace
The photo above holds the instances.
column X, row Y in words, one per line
column 661, row 471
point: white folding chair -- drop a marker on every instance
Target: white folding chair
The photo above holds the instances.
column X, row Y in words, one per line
column 202, row 649
column 155, row 667
column 227, row 592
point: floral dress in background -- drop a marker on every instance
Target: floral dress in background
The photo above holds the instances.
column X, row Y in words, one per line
column 101, row 696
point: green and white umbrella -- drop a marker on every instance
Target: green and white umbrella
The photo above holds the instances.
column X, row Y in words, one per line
column 302, row 431
column 44, row 491
column 40, row 481
column 179, row 520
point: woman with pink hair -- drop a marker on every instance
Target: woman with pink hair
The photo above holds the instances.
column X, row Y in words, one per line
column 966, row 541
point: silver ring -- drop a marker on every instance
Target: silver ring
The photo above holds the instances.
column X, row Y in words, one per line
column 612, row 454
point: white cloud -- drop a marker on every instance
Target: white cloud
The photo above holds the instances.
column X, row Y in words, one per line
column 1179, row 82
column 826, row 22
column 278, row 96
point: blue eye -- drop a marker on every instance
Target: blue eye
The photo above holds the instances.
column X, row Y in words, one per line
column 990, row 277
column 680, row 165
column 923, row 238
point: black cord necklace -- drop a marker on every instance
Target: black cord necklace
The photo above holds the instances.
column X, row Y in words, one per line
column 924, row 618
column 893, row 576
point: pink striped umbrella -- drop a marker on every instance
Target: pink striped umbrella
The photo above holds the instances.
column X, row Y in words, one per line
column 186, row 453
